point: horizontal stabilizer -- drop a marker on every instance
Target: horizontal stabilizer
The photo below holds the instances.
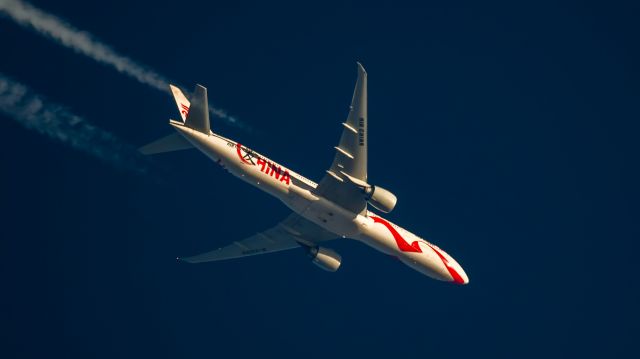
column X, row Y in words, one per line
column 173, row 142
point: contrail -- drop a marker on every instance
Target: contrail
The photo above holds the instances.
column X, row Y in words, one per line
column 84, row 43
column 35, row 113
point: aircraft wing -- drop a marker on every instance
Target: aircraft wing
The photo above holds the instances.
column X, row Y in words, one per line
column 291, row 233
column 347, row 176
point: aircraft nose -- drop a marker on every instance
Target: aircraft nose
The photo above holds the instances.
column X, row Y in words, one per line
column 462, row 277
column 458, row 274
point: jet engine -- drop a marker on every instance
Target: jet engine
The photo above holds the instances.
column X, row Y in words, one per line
column 381, row 198
column 325, row 258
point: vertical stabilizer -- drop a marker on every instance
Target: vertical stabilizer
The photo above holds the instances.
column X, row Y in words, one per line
column 198, row 115
column 181, row 101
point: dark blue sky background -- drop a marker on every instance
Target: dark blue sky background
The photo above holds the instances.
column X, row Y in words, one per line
column 508, row 132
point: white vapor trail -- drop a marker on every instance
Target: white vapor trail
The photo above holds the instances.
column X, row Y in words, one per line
column 84, row 43
column 35, row 113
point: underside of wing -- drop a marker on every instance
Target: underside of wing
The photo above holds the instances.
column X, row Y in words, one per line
column 350, row 161
column 293, row 232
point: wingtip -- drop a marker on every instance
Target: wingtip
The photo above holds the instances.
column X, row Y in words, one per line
column 361, row 68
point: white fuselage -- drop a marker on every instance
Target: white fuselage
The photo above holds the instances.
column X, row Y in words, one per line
column 297, row 193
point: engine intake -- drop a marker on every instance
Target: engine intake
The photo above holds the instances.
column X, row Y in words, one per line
column 381, row 198
column 325, row 258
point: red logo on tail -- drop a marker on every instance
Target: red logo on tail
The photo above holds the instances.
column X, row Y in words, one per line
column 185, row 109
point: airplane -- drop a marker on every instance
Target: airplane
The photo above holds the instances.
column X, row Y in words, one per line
column 336, row 207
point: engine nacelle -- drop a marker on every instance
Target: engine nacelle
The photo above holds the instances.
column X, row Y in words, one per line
column 381, row 198
column 325, row 258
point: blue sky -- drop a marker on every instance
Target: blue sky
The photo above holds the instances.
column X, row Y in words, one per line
column 507, row 131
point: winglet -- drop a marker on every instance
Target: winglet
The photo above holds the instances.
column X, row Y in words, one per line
column 361, row 69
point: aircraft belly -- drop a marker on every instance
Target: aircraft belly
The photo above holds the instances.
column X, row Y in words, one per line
column 253, row 176
column 430, row 269
column 427, row 263
column 322, row 212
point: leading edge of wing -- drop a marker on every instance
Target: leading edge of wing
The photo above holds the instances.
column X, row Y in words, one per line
column 350, row 160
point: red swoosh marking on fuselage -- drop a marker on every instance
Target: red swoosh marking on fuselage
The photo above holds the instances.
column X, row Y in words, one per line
column 404, row 246
column 456, row 277
column 238, row 148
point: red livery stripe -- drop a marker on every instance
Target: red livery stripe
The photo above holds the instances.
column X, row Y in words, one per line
column 404, row 246
column 401, row 242
column 455, row 275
